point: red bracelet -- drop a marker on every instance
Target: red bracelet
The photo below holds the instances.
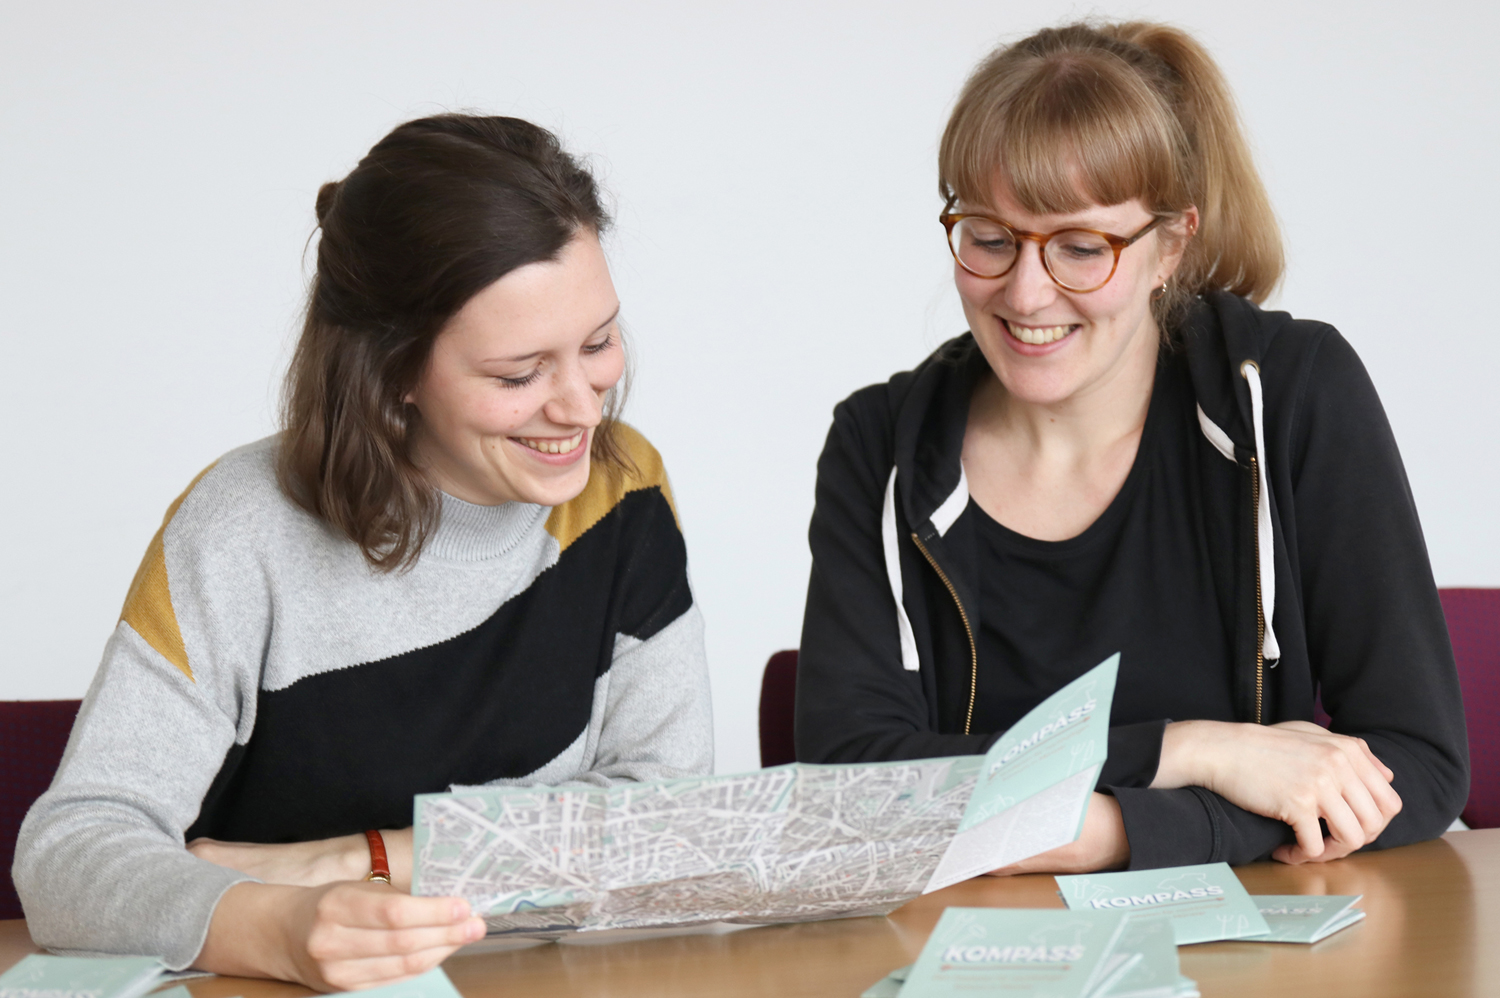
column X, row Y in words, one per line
column 380, row 867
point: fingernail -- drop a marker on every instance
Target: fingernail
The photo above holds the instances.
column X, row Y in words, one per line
column 476, row 929
column 460, row 910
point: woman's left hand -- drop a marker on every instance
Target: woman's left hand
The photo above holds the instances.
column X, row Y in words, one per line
column 1101, row 846
column 309, row 864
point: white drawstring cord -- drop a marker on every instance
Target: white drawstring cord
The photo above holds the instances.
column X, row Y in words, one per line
column 909, row 659
column 1265, row 548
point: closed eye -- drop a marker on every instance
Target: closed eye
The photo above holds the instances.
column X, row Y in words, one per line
column 1078, row 251
column 521, row 382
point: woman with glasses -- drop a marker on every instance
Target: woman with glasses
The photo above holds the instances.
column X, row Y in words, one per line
column 1125, row 453
column 453, row 566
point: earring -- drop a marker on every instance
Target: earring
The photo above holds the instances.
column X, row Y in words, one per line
column 1161, row 292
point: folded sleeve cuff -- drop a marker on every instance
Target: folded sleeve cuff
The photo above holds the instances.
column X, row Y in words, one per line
column 1166, row 827
column 1193, row 825
column 1134, row 754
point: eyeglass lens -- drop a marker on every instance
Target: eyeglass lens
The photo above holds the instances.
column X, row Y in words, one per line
column 1076, row 259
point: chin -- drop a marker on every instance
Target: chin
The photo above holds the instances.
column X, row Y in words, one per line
column 556, row 491
column 1038, row 387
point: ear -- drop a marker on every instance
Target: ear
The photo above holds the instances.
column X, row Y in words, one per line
column 1175, row 236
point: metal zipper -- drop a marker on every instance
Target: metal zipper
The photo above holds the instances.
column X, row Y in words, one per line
column 973, row 648
column 1260, row 609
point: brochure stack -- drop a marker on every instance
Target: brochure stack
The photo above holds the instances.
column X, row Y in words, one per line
column 1042, row 954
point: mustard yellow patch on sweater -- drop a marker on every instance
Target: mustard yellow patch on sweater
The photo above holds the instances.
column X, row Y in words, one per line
column 148, row 605
column 606, row 488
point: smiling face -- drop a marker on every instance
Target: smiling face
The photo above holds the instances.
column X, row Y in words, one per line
column 1048, row 345
column 516, row 382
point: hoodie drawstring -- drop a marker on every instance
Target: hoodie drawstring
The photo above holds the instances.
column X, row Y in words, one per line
column 909, row 659
column 1265, row 548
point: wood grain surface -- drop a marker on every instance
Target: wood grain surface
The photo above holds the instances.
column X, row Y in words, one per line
column 1431, row 909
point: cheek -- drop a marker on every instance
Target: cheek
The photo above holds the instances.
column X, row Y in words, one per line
column 1134, row 282
column 604, row 372
column 507, row 410
column 1114, row 304
column 1099, row 308
column 974, row 291
column 488, row 410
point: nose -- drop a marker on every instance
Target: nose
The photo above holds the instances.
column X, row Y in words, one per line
column 574, row 401
column 1028, row 286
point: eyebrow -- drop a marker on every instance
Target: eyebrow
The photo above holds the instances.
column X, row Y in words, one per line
column 537, row 353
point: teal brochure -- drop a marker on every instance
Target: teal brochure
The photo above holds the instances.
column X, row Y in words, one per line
column 1036, row 953
column 39, row 976
column 888, row 986
column 1156, row 973
column 1033, row 790
column 1300, row 918
column 177, row 992
column 1204, row 903
column 433, row 984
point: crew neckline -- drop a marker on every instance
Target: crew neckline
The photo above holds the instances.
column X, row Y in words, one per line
column 467, row 531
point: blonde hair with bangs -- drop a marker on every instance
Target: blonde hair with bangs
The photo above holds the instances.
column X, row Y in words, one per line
column 1104, row 113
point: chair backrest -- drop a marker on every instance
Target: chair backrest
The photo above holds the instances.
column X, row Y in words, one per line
column 778, row 697
column 33, row 734
column 1474, row 627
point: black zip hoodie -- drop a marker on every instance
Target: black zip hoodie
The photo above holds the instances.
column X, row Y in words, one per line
column 1347, row 601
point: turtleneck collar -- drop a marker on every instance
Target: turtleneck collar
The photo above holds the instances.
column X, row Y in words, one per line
column 467, row 532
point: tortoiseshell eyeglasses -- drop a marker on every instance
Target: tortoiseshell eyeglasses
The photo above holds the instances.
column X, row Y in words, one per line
column 1078, row 260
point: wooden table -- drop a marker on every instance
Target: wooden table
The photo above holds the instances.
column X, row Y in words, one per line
column 1431, row 909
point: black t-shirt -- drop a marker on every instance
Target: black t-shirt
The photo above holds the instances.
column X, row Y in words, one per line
column 1137, row 582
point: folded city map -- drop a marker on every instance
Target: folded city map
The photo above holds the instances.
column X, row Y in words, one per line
column 790, row 843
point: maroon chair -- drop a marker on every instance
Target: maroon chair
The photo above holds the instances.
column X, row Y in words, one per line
column 33, row 734
column 1474, row 627
column 778, row 698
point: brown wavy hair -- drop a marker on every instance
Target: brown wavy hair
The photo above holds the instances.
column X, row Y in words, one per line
column 438, row 210
column 1108, row 112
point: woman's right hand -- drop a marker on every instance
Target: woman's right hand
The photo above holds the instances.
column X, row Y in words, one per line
column 1296, row 772
column 339, row 937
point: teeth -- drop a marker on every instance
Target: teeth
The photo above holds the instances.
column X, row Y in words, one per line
column 553, row 446
column 1038, row 335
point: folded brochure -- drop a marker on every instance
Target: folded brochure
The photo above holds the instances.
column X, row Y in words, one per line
column 1204, row 903
column 42, row 976
column 1044, row 953
column 1155, row 974
column 1146, row 947
column 888, row 986
column 1303, row 918
column 789, row 843
column 433, row 984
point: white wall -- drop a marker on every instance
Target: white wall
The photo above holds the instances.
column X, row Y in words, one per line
column 776, row 248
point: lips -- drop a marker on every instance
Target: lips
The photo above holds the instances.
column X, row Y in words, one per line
column 552, row 445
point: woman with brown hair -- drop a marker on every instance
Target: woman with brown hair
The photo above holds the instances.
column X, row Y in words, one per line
column 453, row 566
column 1126, row 453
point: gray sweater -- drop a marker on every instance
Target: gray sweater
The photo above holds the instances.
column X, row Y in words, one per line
column 264, row 684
